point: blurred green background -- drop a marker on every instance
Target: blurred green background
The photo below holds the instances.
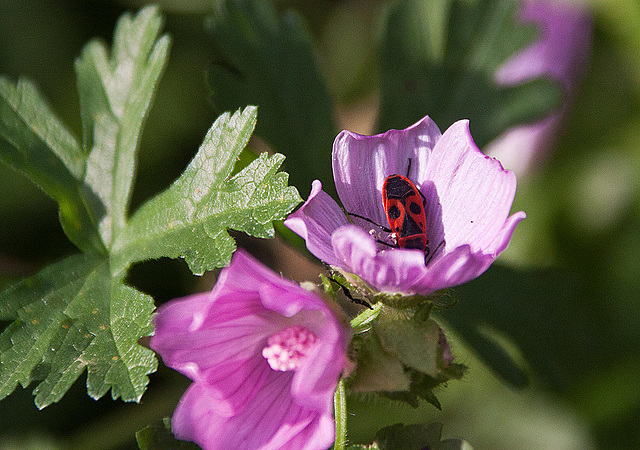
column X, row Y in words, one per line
column 579, row 329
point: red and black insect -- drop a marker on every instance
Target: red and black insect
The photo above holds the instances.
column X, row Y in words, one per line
column 404, row 205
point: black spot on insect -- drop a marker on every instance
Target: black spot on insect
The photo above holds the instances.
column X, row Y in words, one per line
column 394, row 212
column 415, row 208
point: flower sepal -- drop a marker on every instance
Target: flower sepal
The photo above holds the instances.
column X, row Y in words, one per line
column 403, row 357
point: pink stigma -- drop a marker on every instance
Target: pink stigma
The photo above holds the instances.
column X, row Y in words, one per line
column 287, row 349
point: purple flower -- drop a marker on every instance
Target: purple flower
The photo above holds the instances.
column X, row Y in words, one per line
column 467, row 195
column 265, row 356
column 561, row 53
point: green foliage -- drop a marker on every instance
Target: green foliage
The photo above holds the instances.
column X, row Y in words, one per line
column 78, row 314
column 115, row 94
column 440, row 58
column 34, row 142
column 413, row 343
column 190, row 218
column 71, row 316
column 269, row 61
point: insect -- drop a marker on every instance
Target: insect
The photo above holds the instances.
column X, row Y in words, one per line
column 404, row 205
column 404, row 208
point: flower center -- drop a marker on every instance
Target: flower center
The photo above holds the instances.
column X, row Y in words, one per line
column 287, row 349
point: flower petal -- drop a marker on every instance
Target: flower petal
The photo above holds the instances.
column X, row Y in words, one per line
column 462, row 264
column 314, row 383
column 361, row 164
column 393, row 270
column 237, row 400
column 233, row 329
column 315, row 220
column 273, row 421
column 456, row 267
column 471, row 194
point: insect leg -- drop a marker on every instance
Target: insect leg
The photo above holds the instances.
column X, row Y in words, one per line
column 347, row 294
column 428, row 256
column 382, row 227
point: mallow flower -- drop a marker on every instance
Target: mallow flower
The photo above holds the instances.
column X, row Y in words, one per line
column 265, row 356
column 467, row 197
column 560, row 52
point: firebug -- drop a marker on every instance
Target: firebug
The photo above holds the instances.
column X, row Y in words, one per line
column 403, row 205
column 404, row 208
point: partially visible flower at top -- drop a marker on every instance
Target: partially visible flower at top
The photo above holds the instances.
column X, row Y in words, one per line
column 467, row 195
column 265, row 356
column 561, row 52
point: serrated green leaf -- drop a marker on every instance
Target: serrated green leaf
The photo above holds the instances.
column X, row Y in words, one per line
column 34, row 142
column 115, row 94
column 190, row 219
column 440, row 58
column 269, row 61
column 72, row 315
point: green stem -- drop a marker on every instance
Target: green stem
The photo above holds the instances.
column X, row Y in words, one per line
column 362, row 321
column 340, row 407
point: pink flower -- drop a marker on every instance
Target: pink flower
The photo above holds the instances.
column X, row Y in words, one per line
column 561, row 53
column 265, row 356
column 467, row 195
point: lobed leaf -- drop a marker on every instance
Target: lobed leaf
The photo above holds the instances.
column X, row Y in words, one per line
column 115, row 94
column 71, row 316
column 34, row 142
column 440, row 58
column 191, row 218
column 77, row 314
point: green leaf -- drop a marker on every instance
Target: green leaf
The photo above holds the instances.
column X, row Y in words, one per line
column 78, row 314
column 34, row 142
column 190, row 219
column 269, row 61
column 439, row 57
column 71, row 316
column 115, row 94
